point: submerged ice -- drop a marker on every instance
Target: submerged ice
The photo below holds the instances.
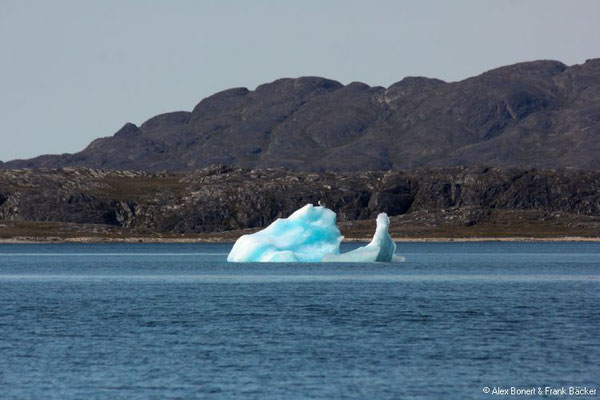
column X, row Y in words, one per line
column 310, row 234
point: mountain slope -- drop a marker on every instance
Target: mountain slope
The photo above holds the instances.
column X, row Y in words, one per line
column 534, row 114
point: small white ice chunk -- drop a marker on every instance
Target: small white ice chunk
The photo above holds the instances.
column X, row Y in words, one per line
column 310, row 235
column 381, row 247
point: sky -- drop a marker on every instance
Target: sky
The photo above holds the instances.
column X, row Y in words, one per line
column 73, row 71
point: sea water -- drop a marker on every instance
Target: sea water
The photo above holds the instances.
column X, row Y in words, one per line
column 139, row 321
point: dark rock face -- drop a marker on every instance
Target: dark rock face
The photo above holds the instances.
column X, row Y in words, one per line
column 220, row 198
column 539, row 114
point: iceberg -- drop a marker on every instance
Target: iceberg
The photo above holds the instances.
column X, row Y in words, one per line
column 310, row 234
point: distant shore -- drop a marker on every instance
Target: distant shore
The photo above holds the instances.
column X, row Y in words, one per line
column 56, row 240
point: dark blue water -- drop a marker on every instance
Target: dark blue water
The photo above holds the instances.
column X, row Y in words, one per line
column 176, row 321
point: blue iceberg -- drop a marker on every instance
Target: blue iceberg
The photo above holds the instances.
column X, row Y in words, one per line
column 310, row 234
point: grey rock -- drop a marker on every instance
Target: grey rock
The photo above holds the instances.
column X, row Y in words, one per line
column 221, row 198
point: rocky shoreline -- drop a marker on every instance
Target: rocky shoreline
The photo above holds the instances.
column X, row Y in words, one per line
column 219, row 203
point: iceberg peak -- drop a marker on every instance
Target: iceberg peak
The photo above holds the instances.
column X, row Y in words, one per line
column 306, row 235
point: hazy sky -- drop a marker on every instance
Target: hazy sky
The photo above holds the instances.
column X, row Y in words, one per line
column 72, row 71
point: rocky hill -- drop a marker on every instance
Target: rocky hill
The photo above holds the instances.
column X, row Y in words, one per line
column 540, row 114
column 447, row 202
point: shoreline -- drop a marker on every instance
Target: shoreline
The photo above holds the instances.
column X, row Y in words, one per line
column 131, row 240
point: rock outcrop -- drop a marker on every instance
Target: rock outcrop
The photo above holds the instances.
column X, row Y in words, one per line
column 219, row 198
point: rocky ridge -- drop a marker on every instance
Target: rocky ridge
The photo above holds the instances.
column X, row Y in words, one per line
column 541, row 114
column 428, row 201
